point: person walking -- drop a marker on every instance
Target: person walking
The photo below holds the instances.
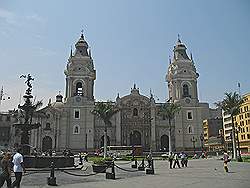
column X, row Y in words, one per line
column 18, row 168
column 170, row 159
column 6, row 170
column 182, row 159
column 176, row 160
column 185, row 160
column 226, row 160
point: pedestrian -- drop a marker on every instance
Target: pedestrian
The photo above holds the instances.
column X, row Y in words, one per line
column 176, row 160
column 6, row 170
column 170, row 159
column 149, row 159
column 225, row 160
column 85, row 157
column 182, row 159
column 80, row 158
column 18, row 168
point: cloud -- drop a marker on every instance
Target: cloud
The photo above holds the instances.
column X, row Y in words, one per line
column 17, row 20
column 8, row 16
column 44, row 52
column 35, row 18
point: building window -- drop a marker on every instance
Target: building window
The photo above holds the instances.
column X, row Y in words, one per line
column 79, row 88
column 77, row 114
column 76, row 129
column 189, row 115
column 190, row 129
column 248, row 136
column 185, row 90
column 135, row 112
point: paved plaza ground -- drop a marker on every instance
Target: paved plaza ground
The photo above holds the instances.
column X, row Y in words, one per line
column 200, row 173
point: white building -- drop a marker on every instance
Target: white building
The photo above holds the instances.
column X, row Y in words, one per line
column 69, row 123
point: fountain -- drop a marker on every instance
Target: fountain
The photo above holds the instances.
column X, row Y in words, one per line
column 27, row 111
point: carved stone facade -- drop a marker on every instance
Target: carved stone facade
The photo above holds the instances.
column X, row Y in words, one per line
column 70, row 124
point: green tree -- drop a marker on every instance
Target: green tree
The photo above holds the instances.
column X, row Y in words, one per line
column 231, row 105
column 168, row 111
column 105, row 110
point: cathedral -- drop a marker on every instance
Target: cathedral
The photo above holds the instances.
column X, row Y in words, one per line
column 68, row 122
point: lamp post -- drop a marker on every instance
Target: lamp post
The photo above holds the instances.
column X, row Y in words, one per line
column 238, row 141
column 193, row 140
column 202, row 139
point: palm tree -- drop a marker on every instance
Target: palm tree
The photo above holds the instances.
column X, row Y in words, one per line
column 231, row 105
column 105, row 111
column 168, row 111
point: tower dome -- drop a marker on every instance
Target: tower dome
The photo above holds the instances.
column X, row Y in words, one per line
column 180, row 50
column 81, row 47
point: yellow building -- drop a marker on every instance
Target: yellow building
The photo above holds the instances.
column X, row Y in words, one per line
column 242, row 124
column 213, row 134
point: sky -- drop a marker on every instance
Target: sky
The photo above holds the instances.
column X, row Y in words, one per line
column 130, row 40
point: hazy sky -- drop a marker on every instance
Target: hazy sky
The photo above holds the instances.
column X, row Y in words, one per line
column 130, row 40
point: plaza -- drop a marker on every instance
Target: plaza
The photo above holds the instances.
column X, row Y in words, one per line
column 199, row 173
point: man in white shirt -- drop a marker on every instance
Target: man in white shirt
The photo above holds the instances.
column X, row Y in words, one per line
column 18, row 168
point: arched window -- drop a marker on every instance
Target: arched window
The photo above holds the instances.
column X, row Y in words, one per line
column 135, row 112
column 76, row 129
column 79, row 88
column 185, row 90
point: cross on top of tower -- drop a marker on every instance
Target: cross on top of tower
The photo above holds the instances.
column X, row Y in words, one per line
column 82, row 34
column 179, row 40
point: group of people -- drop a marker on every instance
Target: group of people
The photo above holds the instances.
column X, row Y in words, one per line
column 18, row 168
column 174, row 157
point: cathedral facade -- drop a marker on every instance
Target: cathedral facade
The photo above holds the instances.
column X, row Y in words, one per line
column 69, row 123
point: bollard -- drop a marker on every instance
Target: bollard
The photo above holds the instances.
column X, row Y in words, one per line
column 142, row 166
column 134, row 165
column 52, row 179
column 112, row 174
column 151, row 169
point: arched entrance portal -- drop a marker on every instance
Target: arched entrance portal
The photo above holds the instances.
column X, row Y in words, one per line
column 164, row 143
column 102, row 141
column 135, row 138
column 47, row 143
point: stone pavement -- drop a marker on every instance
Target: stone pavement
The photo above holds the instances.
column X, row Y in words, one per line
column 200, row 173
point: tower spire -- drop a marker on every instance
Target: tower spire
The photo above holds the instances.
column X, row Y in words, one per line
column 71, row 54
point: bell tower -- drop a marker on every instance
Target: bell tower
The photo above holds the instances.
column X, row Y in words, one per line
column 182, row 76
column 80, row 73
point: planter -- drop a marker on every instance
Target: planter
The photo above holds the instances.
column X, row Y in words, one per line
column 99, row 168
